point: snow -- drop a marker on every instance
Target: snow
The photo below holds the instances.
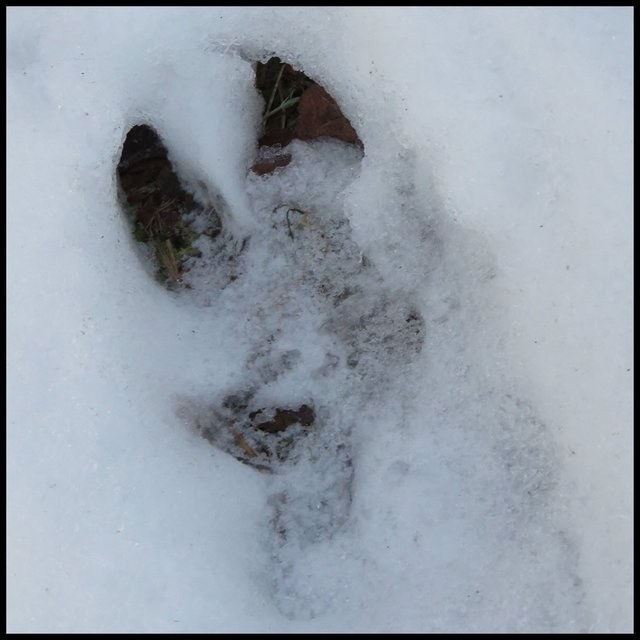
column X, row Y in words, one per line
column 473, row 475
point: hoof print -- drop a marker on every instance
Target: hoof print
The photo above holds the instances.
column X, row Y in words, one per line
column 157, row 203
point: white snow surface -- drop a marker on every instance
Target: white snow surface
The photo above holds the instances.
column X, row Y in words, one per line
column 478, row 478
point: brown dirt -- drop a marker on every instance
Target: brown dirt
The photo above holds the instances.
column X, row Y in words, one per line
column 260, row 438
column 155, row 199
column 312, row 113
column 284, row 418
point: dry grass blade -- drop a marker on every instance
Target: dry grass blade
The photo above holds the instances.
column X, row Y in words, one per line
column 241, row 442
column 168, row 258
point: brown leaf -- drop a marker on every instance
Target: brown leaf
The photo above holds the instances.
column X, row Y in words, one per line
column 319, row 116
column 268, row 166
column 284, row 418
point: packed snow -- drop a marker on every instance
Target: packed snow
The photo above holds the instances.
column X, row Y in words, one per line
column 454, row 300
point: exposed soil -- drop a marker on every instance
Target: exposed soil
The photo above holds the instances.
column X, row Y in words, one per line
column 157, row 202
column 261, row 438
column 296, row 107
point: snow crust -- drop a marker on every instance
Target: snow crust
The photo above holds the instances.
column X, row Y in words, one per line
column 470, row 474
